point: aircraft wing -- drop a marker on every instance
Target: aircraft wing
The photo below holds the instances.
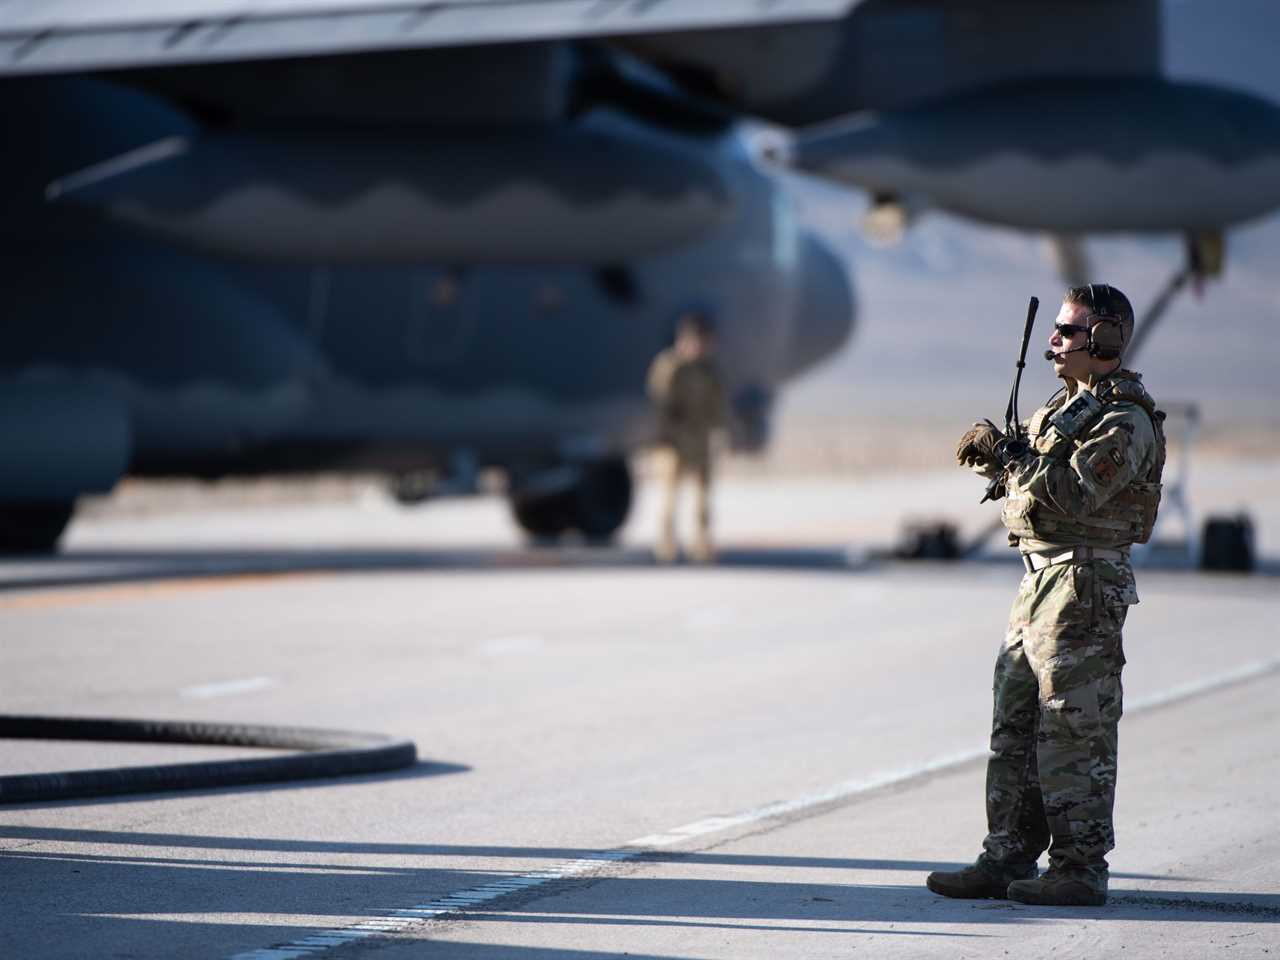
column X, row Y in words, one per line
column 51, row 36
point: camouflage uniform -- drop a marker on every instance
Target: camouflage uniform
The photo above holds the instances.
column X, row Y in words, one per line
column 688, row 398
column 1075, row 503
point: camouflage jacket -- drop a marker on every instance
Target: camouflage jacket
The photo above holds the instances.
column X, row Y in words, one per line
column 688, row 400
column 1093, row 474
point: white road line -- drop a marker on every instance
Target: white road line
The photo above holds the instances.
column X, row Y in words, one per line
column 501, row 646
column 840, row 791
column 462, row 900
column 1186, row 691
column 443, row 906
column 850, row 788
column 226, row 688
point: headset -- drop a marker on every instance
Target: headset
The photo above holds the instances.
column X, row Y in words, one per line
column 1106, row 329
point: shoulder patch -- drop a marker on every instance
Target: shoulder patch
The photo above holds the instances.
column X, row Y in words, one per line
column 1105, row 466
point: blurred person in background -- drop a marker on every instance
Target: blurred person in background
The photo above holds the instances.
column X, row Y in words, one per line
column 689, row 404
column 1080, row 489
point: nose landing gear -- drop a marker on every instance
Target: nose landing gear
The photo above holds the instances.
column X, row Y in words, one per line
column 592, row 498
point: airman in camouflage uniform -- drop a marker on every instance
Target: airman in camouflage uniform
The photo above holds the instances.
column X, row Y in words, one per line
column 1084, row 491
column 688, row 400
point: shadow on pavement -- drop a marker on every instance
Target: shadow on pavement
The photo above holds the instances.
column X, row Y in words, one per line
column 147, row 890
column 420, row 769
column 132, row 565
column 271, row 845
column 128, row 566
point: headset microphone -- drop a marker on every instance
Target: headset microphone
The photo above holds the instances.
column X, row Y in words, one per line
column 1051, row 355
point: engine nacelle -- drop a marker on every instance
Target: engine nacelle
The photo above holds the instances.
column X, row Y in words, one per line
column 1071, row 155
column 601, row 192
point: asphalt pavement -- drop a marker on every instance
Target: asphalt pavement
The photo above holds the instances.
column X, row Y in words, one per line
column 758, row 758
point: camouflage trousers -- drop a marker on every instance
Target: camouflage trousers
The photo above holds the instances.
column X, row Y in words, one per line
column 671, row 467
column 1051, row 775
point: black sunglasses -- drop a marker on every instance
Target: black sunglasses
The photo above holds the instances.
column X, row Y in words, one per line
column 1069, row 330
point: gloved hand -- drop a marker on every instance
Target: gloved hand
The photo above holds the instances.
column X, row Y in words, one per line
column 1009, row 449
column 978, row 446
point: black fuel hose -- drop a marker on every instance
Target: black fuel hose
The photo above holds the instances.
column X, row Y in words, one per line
column 320, row 753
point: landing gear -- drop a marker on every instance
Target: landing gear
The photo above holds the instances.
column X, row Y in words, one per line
column 603, row 499
column 1227, row 544
column 33, row 527
column 593, row 499
column 929, row 540
column 544, row 517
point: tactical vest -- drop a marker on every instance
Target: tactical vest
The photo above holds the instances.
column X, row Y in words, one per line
column 1128, row 516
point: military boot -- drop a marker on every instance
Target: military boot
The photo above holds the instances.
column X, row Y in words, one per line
column 979, row 881
column 1062, row 887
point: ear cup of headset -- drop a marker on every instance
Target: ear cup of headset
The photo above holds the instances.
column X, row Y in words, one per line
column 1106, row 339
column 1106, row 333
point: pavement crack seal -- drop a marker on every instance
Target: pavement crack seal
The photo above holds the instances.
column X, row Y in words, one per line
column 769, row 816
column 1259, row 911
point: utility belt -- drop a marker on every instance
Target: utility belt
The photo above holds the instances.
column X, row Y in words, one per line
column 1048, row 558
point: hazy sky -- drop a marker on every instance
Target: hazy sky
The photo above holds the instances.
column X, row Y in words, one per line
column 1227, row 41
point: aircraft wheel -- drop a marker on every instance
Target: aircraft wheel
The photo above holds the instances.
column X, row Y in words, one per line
column 33, row 527
column 1227, row 544
column 603, row 499
column 544, row 517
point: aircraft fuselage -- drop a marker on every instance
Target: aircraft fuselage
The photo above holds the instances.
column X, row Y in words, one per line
column 330, row 298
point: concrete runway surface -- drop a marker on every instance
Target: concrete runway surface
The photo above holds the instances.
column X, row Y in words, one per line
column 757, row 759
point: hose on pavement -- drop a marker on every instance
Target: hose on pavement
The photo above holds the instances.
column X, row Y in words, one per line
column 317, row 753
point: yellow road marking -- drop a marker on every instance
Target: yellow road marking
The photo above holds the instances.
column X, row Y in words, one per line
column 55, row 597
column 49, row 598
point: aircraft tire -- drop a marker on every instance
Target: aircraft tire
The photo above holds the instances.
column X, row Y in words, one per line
column 1227, row 544
column 33, row 527
column 603, row 499
column 544, row 518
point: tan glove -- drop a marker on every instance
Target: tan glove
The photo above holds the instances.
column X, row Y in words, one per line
column 977, row 448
